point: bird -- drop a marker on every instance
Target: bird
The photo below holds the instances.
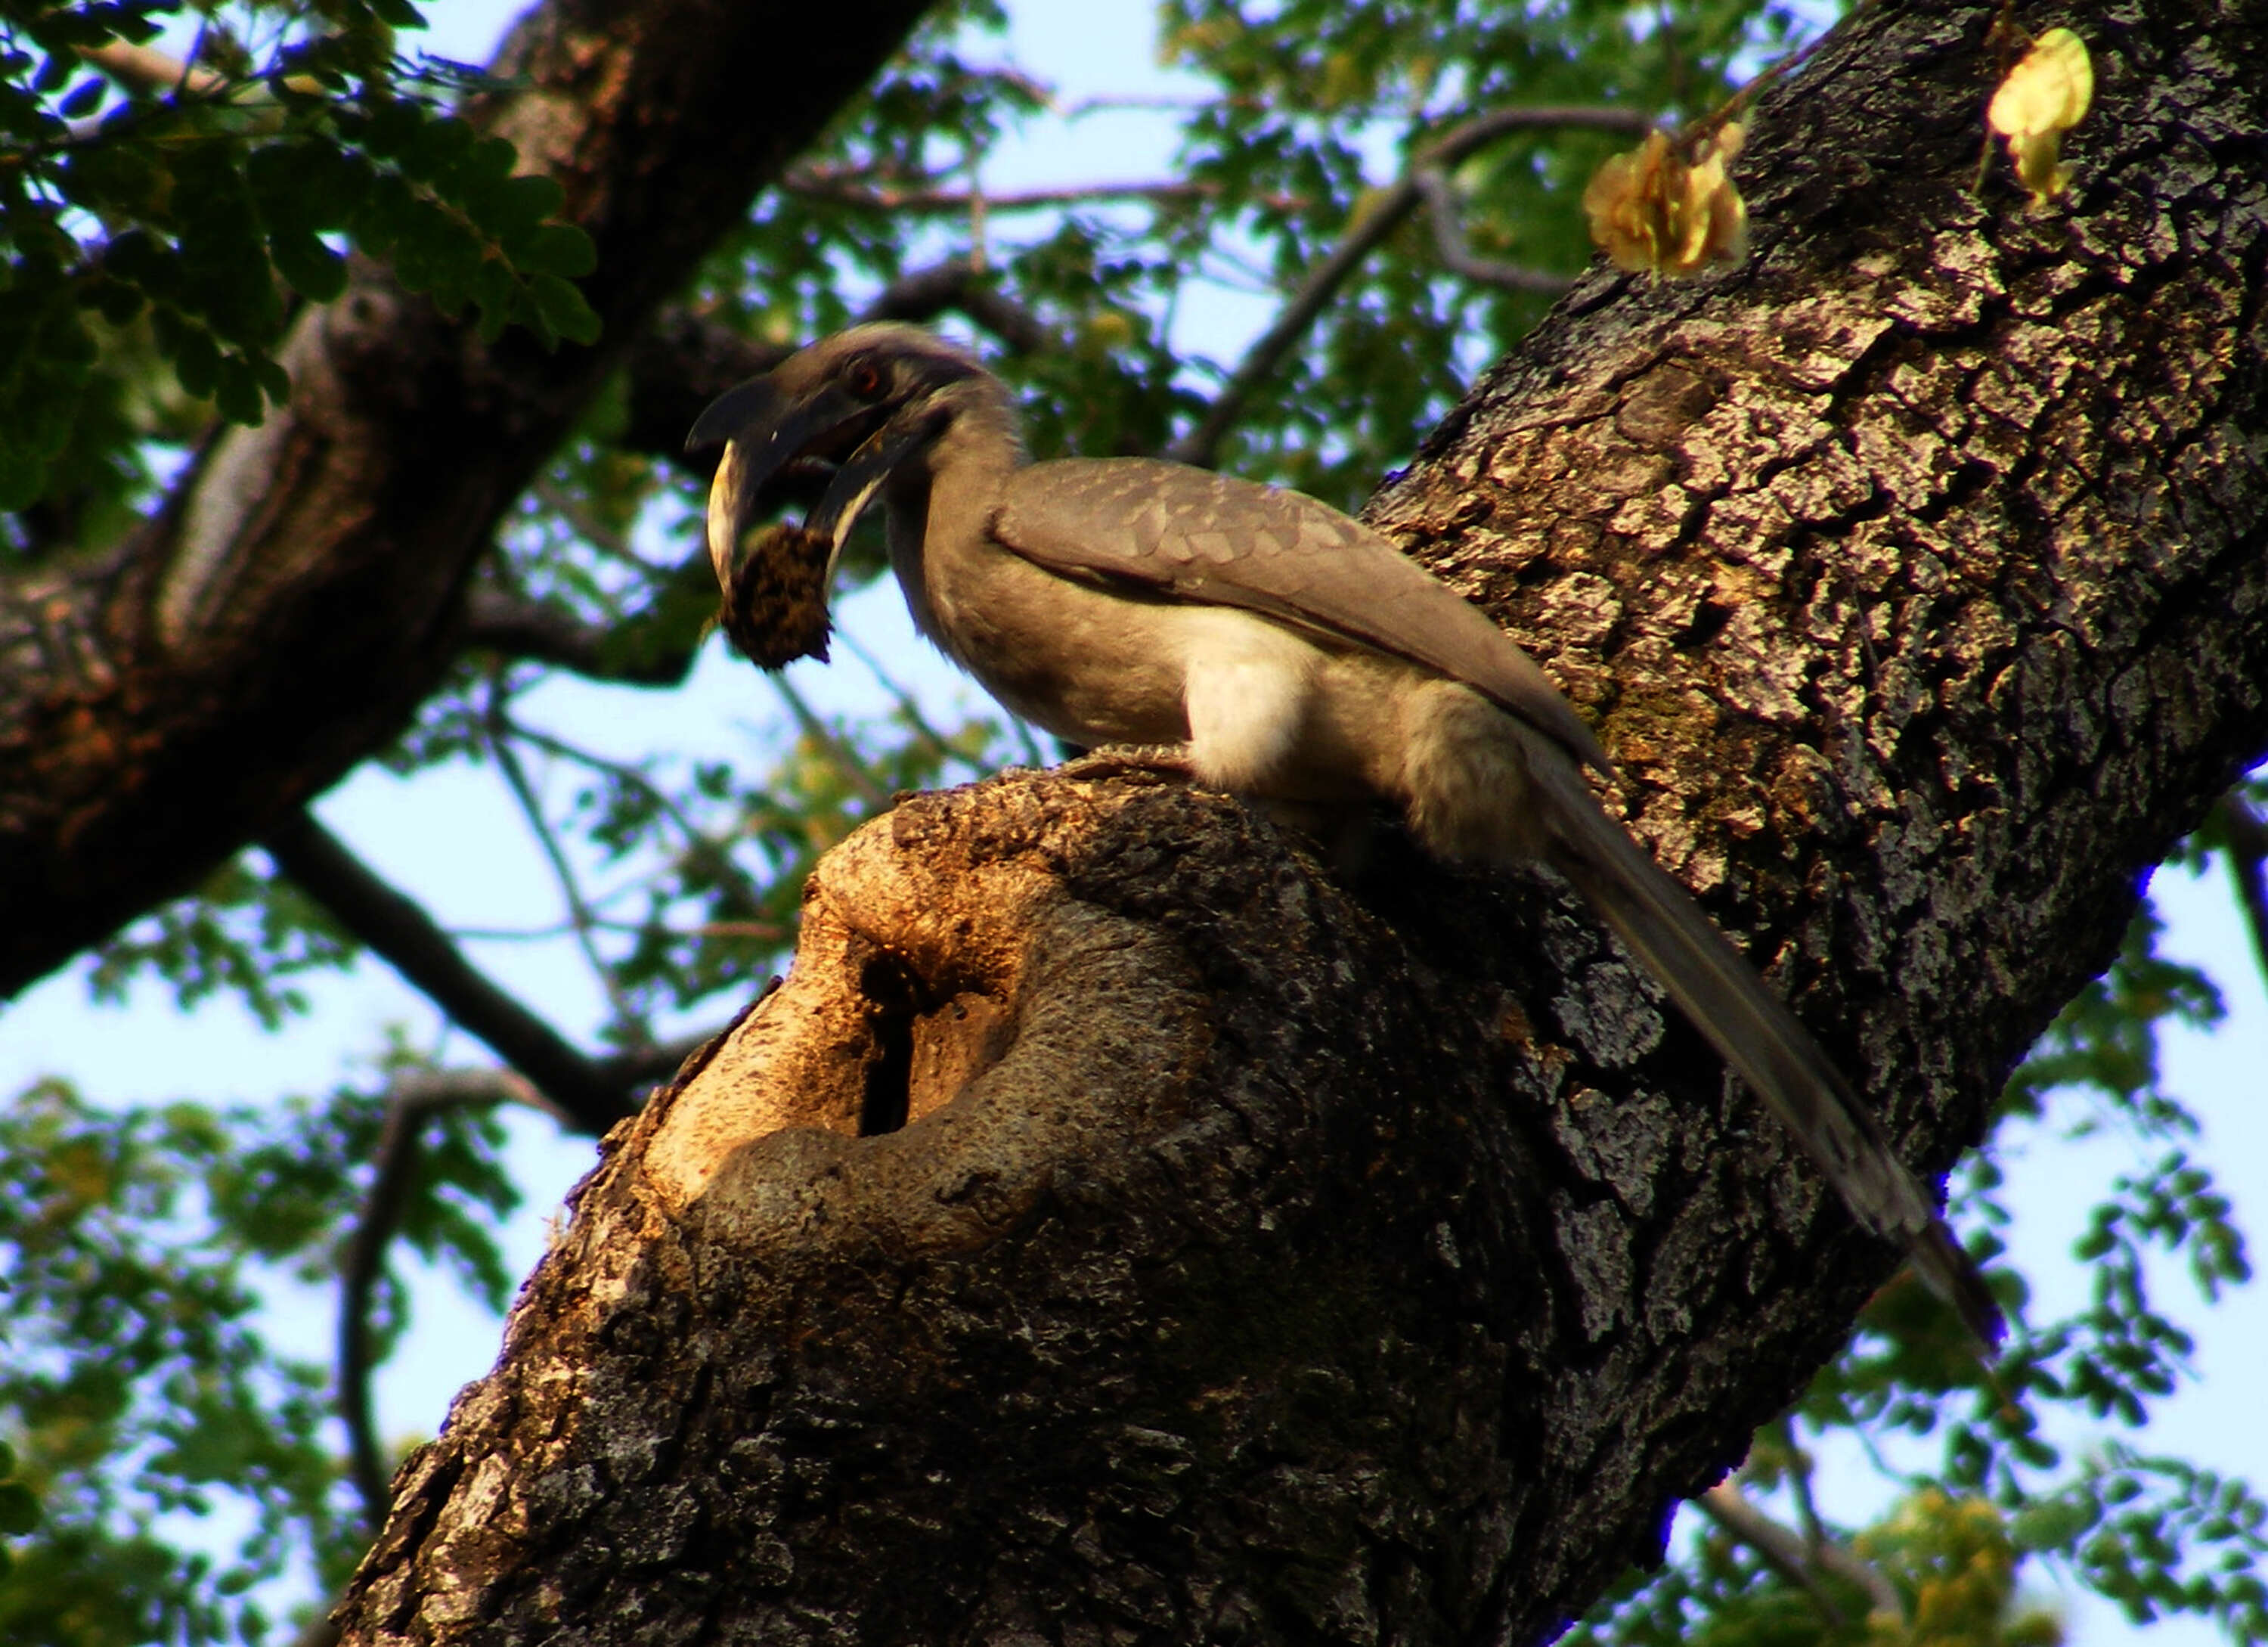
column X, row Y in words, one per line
column 1286, row 654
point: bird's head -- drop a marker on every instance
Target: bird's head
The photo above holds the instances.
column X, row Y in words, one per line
column 864, row 399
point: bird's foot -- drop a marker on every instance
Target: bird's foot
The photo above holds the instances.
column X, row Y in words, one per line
column 1123, row 760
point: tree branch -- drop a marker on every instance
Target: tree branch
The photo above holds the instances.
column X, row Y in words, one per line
column 589, row 1095
column 744, row 896
column 949, row 202
column 1779, row 1549
column 958, row 283
column 579, row 914
column 1379, row 219
column 1457, row 256
column 516, row 627
column 409, row 1102
column 676, row 366
column 685, row 360
column 1787, row 1554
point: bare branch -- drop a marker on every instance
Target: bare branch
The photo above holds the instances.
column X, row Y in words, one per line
column 578, row 909
column 955, row 202
column 409, row 1102
column 1202, row 444
column 685, row 360
column 645, row 1065
column 960, row 284
column 699, row 846
column 846, row 757
column 1779, row 1549
column 1785, row 1552
column 1799, row 1480
column 1457, row 256
column 678, row 366
column 144, row 69
column 520, row 628
column 906, row 705
column 587, row 1096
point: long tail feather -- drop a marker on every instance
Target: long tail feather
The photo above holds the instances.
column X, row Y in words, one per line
column 1755, row 1033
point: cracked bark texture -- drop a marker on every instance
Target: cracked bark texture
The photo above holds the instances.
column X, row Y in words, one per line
column 161, row 705
column 1121, row 1228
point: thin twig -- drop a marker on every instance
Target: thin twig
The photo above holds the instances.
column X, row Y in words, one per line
column 847, row 759
column 1029, row 739
column 643, row 1066
column 956, row 201
column 1779, row 1548
column 1380, row 218
column 1785, row 1552
column 907, row 706
column 578, row 911
column 703, row 848
column 398, row 930
column 596, row 532
column 410, row 1101
column 1457, row 255
column 1799, row 1480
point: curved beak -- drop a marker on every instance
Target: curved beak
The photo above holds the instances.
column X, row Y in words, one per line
column 762, row 427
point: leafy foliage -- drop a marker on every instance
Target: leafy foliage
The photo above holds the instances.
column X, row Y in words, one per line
column 183, row 218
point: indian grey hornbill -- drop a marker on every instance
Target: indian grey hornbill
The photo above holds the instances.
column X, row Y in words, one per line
column 1291, row 653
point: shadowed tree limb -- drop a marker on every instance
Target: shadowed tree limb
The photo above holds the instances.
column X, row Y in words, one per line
column 1798, row 1559
column 410, row 1102
column 587, row 1095
column 685, row 360
column 1456, row 255
column 514, row 626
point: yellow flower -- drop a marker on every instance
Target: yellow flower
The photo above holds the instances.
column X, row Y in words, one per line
column 1651, row 209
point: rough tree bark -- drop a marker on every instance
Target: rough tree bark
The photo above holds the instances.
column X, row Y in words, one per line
column 163, row 705
column 1273, row 1258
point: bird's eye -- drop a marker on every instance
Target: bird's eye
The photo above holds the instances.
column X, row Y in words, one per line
column 864, row 379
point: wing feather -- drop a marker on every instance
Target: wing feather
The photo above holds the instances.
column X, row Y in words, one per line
column 1208, row 538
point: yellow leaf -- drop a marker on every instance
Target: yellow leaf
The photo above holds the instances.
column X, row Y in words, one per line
column 1653, row 210
column 2045, row 95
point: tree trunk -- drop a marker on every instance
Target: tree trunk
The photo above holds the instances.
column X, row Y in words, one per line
column 163, row 705
column 1122, row 1229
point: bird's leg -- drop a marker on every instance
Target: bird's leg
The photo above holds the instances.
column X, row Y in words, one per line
column 1120, row 760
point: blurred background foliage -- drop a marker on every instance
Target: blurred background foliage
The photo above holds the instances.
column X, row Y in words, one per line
column 175, row 181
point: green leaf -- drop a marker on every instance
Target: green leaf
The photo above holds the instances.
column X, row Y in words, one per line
column 560, row 308
column 556, row 249
column 82, row 99
column 19, row 1510
column 2055, row 1523
column 314, row 270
